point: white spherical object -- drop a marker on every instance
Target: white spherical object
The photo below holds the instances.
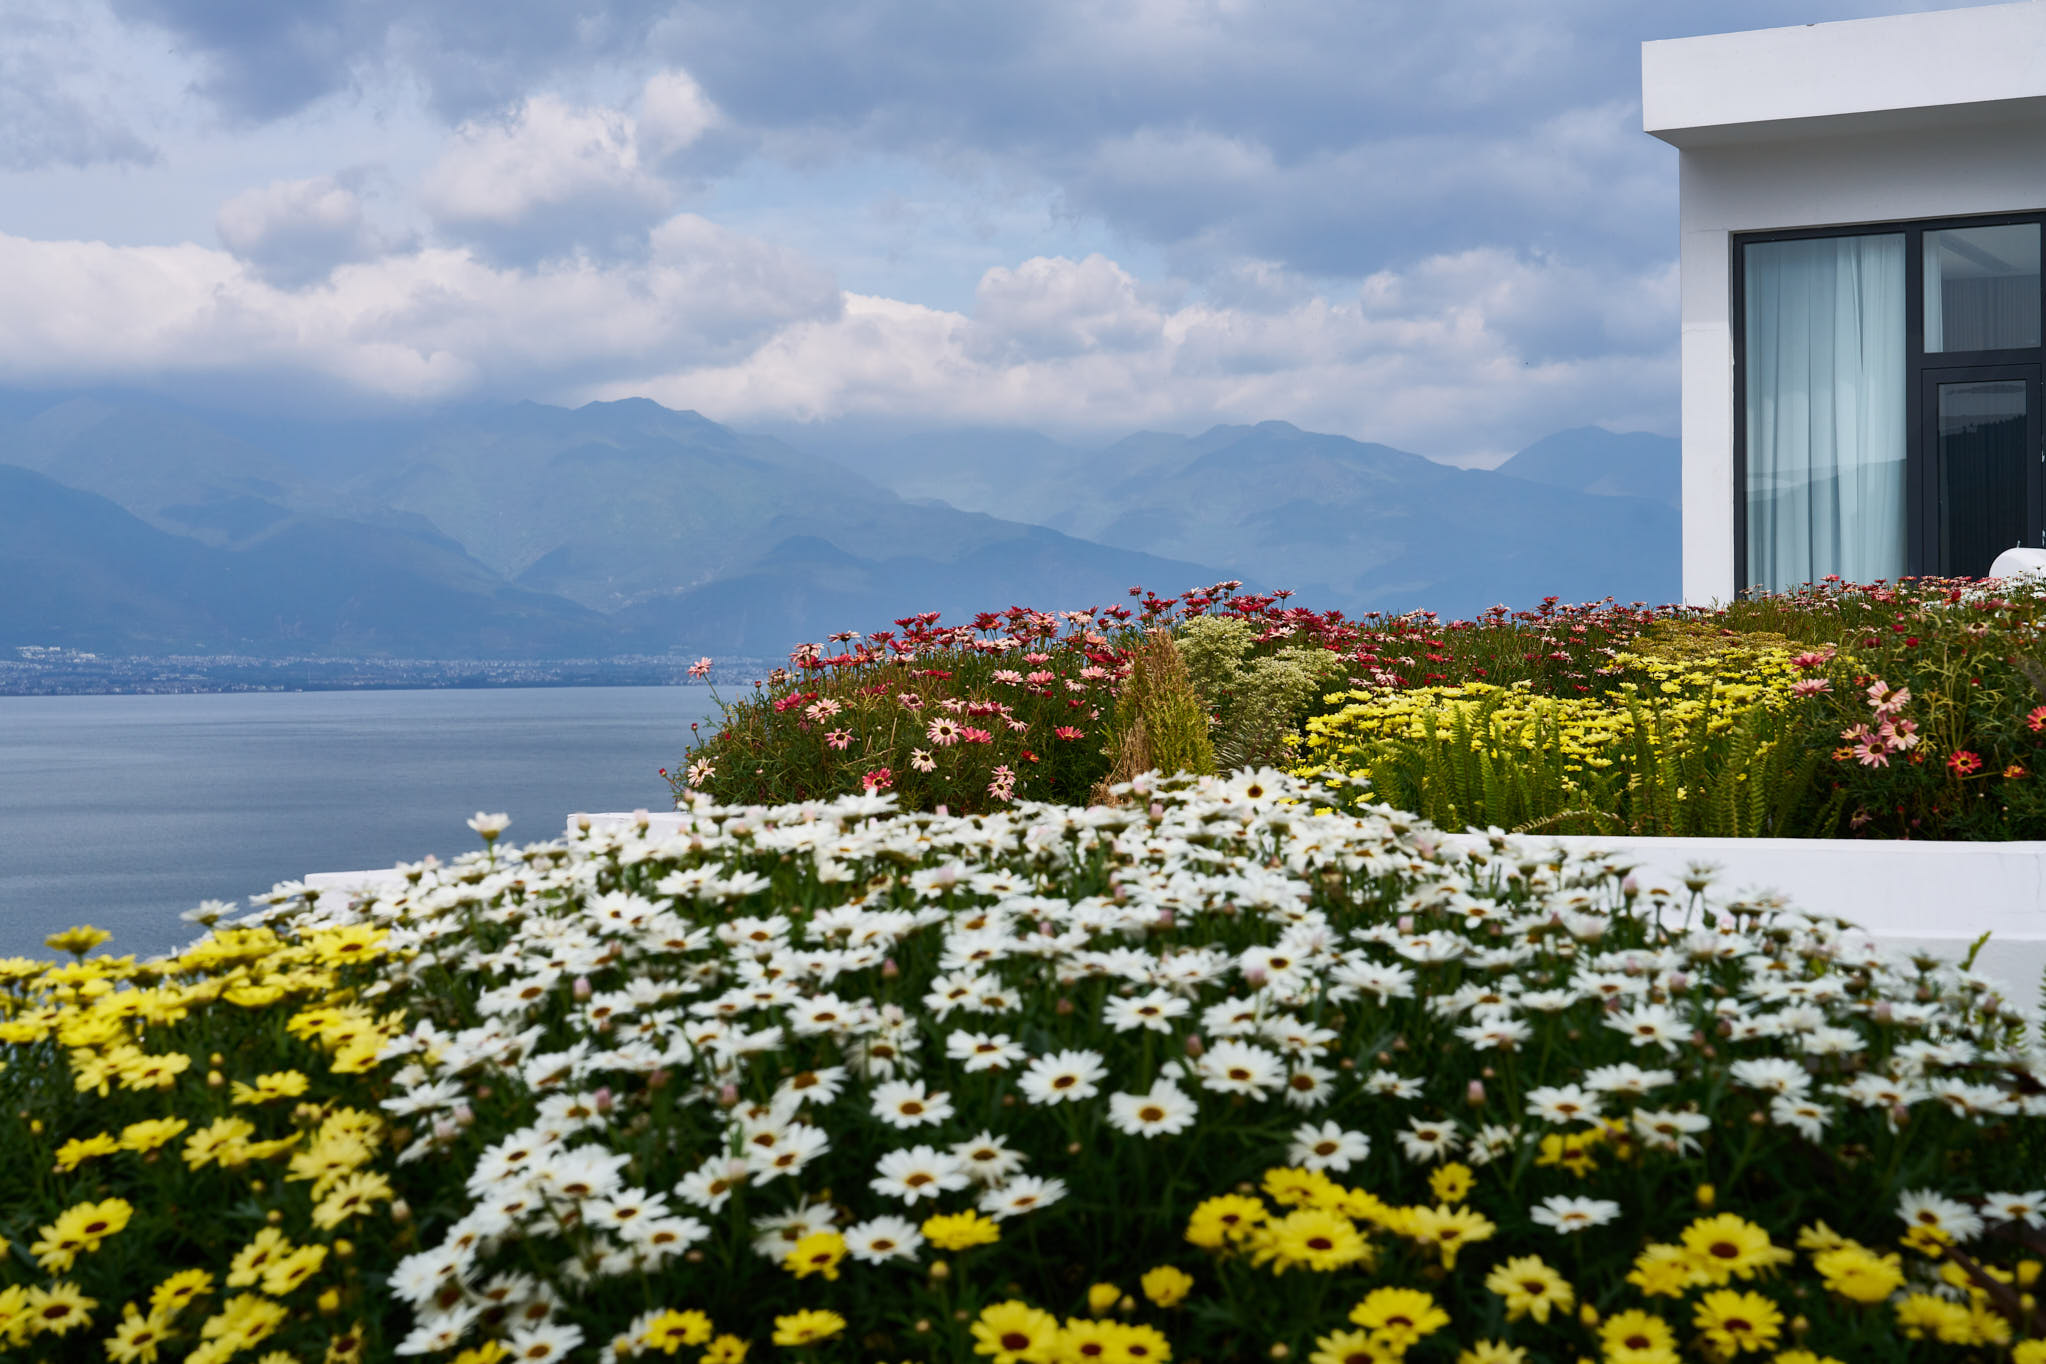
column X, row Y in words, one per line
column 2013, row 562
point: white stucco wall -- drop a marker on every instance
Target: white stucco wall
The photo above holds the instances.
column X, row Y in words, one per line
column 1908, row 116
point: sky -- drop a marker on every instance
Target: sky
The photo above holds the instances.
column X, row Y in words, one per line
column 1435, row 225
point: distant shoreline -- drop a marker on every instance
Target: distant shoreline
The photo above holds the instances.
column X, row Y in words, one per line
column 77, row 673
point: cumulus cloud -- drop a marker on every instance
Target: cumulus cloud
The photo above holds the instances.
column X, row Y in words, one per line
column 1446, row 359
column 550, row 177
column 423, row 325
column 296, row 231
column 1048, row 308
column 673, row 113
column 547, row 176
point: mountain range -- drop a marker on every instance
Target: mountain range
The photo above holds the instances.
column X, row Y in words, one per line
column 134, row 524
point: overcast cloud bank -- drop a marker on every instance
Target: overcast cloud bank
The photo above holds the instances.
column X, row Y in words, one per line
column 1436, row 227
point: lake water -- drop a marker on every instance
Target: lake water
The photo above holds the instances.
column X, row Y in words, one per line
column 124, row 811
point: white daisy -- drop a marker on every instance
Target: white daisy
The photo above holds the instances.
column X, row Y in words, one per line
column 1928, row 1208
column 1563, row 1104
column 710, row 1185
column 665, row 1236
column 1670, row 1130
column 1426, row 1141
column 905, row 1104
column 818, row 1087
column 2029, row 1208
column 1023, row 1193
column 1496, row 1034
column 1062, row 1077
column 1392, row 1085
column 1309, row 1085
column 1327, row 1147
column 916, row 1173
column 1651, row 1025
column 1794, row 1110
column 1574, row 1214
column 437, row 1331
column 879, row 1239
column 552, row 1340
column 980, row 1051
column 1154, row 1010
column 1626, row 1078
column 799, row 1145
column 1772, row 1075
column 1233, row 1067
column 987, row 1158
column 1165, row 1111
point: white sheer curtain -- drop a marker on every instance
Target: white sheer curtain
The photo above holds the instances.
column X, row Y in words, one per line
column 1824, row 365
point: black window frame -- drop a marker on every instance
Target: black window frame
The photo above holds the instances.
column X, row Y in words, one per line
column 1921, row 555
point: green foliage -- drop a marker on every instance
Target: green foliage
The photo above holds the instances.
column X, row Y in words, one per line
column 1256, row 694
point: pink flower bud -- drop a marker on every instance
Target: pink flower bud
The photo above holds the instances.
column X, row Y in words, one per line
column 1406, row 923
column 728, row 1095
column 464, row 1115
column 1882, row 1011
column 1476, row 1093
column 604, row 1099
column 1194, row 1047
column 1157, row 810
column 1630, row 885
column 1166, row 918
column 581, row 989
column 1255, row 977
column 889, row 970
column 942, row 811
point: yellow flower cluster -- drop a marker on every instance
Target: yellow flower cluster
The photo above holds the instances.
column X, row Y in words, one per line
column 122, row 1031
column 1321, row 1230
column 1014, row 1332
column 1690, row 700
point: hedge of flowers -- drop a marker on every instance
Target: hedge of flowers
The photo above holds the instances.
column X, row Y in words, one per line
column 1018, row 704
column 1240, row 1068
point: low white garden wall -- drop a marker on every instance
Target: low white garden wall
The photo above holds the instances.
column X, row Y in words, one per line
column 1935, row 897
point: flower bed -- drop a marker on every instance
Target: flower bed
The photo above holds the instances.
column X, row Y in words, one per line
column 1237, row 1070
column 1908, row 710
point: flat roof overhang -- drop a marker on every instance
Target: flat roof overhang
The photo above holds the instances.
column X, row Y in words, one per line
column 1906, row 72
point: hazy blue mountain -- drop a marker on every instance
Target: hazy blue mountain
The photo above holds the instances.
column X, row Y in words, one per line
column 525, row 529
column 816, row 588
column 1346, row 523
column 1592, row 459
column 550, row 514
column 1376, row 528
column 80, row 571
column 181, row 471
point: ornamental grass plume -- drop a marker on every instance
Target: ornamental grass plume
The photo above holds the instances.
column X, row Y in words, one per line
column 1160, row 722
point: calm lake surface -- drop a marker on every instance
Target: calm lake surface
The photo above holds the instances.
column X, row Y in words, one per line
column 124, row 811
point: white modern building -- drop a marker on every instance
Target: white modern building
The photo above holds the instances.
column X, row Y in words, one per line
column 1861, row 208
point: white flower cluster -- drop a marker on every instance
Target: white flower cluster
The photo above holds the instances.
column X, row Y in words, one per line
column 915, row 1009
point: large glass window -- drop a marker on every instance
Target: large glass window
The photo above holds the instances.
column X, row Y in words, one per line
column 1982, row 288
column 1825, row 380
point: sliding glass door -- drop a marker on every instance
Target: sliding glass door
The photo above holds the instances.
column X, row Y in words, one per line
column 1888, row 383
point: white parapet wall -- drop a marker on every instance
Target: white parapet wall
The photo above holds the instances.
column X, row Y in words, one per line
column 1910, row 896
